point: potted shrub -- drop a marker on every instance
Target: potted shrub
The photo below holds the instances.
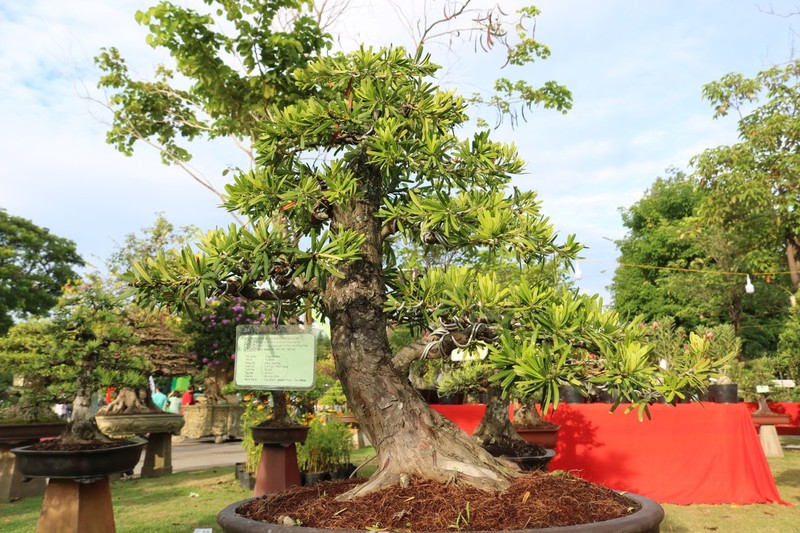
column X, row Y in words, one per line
column 325, row 454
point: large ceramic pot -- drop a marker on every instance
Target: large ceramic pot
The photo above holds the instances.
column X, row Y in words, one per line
column 78, row 494
column 220, row 420
column 279, row 435
column 645, row 520
column 126, row 426
column 80, row 465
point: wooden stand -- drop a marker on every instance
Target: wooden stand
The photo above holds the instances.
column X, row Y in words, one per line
column 277, row 469
column 73, row 507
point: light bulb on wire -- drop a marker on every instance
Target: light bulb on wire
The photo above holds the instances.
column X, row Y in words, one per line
column 748, row 287
column 578, row 274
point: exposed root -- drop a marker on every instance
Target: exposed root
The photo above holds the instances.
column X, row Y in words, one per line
column 130, row 402
column 444, row 469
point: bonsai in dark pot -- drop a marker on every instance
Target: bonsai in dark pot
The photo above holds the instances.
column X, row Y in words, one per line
column 85, row 345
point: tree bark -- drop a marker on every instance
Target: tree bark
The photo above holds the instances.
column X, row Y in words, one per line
column 410, row 438
column 495, row 427
column 793, row 259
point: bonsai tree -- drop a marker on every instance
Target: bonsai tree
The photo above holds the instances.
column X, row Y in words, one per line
column 85, row 345
column 28, row 396
column 370, row 155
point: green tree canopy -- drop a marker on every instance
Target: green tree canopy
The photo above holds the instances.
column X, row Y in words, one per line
column 34, row 266
column 753, row 188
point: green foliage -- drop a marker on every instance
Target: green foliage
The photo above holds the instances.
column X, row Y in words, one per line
column 676, row 263
column 231, row 76
column 661, row 240
column 787, row 361
column 86, row 344
column 751, row 184
column 327, row 446
column 34, row 266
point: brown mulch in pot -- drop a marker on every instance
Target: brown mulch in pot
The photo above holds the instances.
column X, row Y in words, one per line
column 533, row 500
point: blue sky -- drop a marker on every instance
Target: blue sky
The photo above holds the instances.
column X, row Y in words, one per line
column 636, row 70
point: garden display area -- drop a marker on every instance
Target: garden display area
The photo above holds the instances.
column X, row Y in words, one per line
column 695, row 453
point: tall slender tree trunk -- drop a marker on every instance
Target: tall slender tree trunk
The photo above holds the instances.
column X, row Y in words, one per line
column 410, row 438
column 793, row 260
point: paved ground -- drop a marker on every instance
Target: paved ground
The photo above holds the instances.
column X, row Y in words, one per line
column 198, row 454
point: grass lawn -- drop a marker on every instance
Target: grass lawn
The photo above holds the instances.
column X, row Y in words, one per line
column 188, row 500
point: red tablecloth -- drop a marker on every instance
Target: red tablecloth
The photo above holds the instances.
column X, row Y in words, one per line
column 689, row 453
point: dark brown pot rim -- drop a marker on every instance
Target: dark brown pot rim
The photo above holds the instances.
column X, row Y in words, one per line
column 645, row 520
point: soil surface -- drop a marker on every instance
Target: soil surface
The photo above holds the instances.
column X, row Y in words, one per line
column 515, row 448
column 536, row 499
column 57, row 445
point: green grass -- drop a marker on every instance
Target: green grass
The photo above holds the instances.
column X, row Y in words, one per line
column 188, row 500
column 174, row 504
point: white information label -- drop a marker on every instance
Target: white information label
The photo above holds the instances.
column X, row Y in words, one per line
column 274, row 360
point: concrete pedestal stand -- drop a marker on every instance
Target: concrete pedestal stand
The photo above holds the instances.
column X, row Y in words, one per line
column 277, row 466
column 13, row 485
column 157, row 455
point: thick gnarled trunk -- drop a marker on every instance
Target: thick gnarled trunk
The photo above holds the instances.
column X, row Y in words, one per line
column 410, row 438
column 495, row 427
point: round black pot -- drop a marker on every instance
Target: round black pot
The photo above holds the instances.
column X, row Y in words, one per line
column 727, row 393
column 645, row 520
column 312, row 478
column 343, row 472
column 529, row 463
column 79, row 464
column 570, row 394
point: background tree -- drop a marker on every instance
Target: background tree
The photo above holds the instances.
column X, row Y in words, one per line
column 753, row 185
column 232, row 76
column 86, row 344
column 34, row 266
column 676, row 262
column 661, row 237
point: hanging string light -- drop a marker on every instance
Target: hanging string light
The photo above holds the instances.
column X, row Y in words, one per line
column 578, row 274
column 749, row 288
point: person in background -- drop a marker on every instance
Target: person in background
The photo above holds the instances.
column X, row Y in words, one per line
column 174, row 402
column 160, row 399
column 188, row 397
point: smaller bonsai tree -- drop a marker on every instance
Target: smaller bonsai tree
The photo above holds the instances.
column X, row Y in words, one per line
column 85, row 345
column 27, row 397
